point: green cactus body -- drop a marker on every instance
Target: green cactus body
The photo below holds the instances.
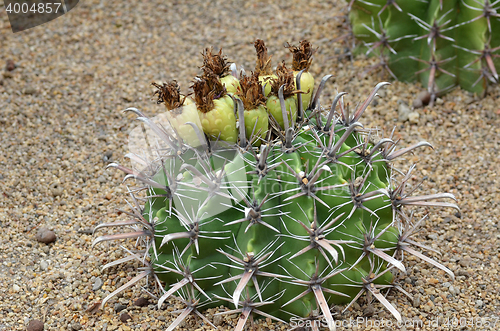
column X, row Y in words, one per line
column 310, row 218
column 282, row 213
column 442, row 44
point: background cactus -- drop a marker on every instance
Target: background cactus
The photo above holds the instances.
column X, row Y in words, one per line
column 288, row 223
column 442, row 44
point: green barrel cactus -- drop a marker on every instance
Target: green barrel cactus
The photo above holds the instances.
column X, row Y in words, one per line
column 302, row 213
column 442, row 44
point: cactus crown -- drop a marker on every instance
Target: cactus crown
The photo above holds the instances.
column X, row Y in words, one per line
column 302, row 55
column 251, row 91
column 215, row 63
column 263, row 66
column 206, row 89
column 169, row 94
column 284, row 78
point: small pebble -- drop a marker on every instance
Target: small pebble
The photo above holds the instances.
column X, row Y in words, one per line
column 453, row 290
column 97, row 284
column 35, row 325
column 403, row 112
column 10, row 65
column 413, row 117
column 218, row 320
column 416, row 300
column 119, row 307
column 76, row 326
column 433, row 281
column 56, row 190
column 107, row 156
column 422, row 99
column 125, row 317
column 29, row 90
column 368, row 311
column 465, row 262
column 16, row 288
column 44, row 265
column 46, row 236
column 432, row 236
column 141, row 302
column 417, row 103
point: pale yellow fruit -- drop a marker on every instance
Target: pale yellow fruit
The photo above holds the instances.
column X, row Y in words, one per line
column 306, row 85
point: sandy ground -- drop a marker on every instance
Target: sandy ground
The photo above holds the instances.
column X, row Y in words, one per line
column 61, row 122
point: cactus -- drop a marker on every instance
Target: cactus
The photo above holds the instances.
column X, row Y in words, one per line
column 287, row 220
column 442, row 44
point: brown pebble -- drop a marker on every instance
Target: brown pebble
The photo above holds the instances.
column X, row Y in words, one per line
column 422, row 99
column 29, row 90
column 46, row 236
column 10, row 65
column 368, row 311
column 125, row 317
column 462, row 272
column 141, row 302
column 417, row 103
column 218, row 320
column 35, row 325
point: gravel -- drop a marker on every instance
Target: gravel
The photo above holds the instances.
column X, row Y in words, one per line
column 63, row 86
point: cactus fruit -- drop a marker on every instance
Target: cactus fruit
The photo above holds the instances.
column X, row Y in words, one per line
column 302, row 58
column 217, row 64
column 282, row 88
column 442, row 44
column 263, row 66
column 313, row 216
